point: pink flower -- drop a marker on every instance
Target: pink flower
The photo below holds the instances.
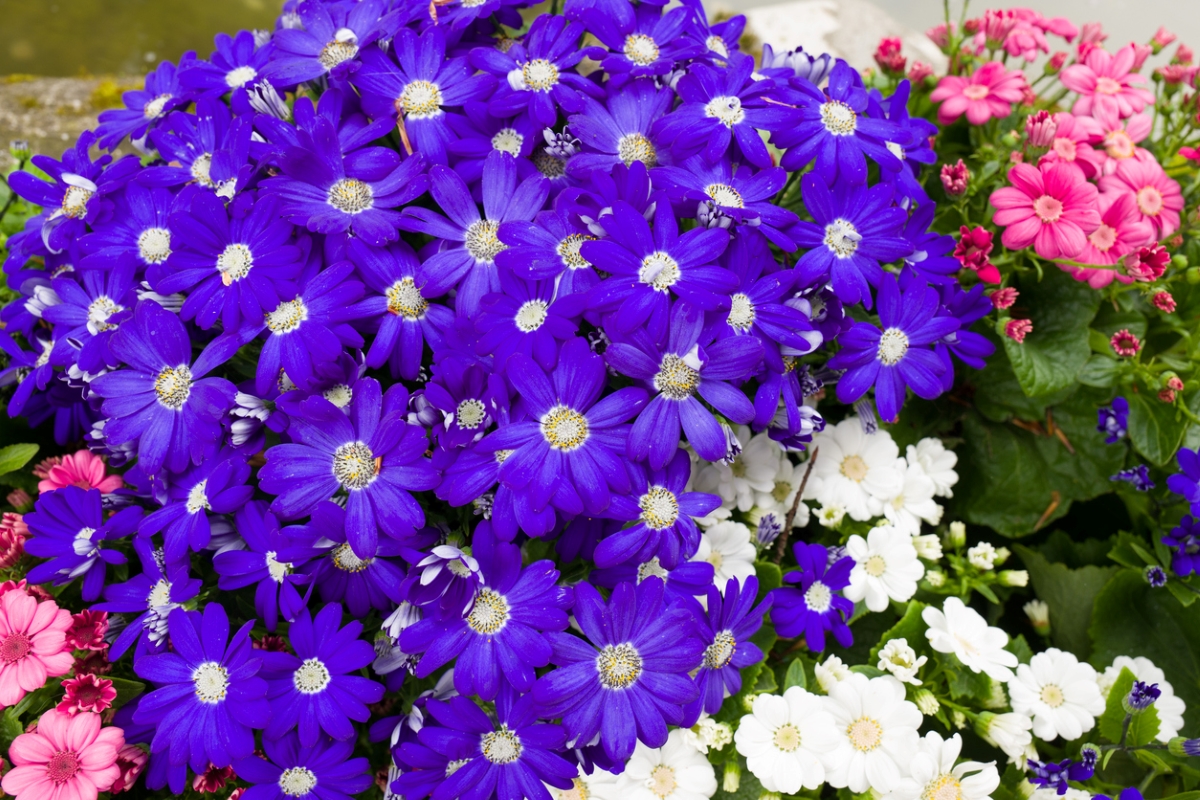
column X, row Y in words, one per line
column 1071, row 143
column 13, row 533
column 919, row 71
column 1125, row 343
column 955, row 178
column 1190, row 153
column 1164, row 302
column 20, row 500
column 1162, row 37
column 1147, row 264
column 42, row 468
column 1183, row 54
column 972, row 250
column 1140, row 53
column 1107, row 82
column 32, row 644
column 996, row 26
column 1118, row 139
column 87, row 693
column 131, row 760
column 1056, row 61
column 212, row 779
column 87, row 630
column 1121, row 231
column 83, row 469
column 1053, row 208
column 68, row 758
column 1018, row 329
column 887, row 56
column 1004, row 298
column 1167, row 396
column 990, row 92
column 1093, row 33
column 1175, row 383
column 1159, row 198
column 940, row 35
column 1177, row 74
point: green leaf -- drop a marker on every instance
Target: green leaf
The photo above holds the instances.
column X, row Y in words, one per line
column 1071, row 595
column 795, row 675
column 748, row 787
column 1154, row 429
column 911, row 628
column 15, row 456
column 965, row 683
column 10, row 728
column 769, row 577
column 1099, row 371
column 868, row 670
column 999, row 397
column 766, row 683
column 1142, row 727
column 1132, row 619
column 1020, row 648
column 126, row 690
column 1054, row 353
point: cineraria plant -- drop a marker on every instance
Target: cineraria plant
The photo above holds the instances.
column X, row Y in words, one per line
column 457, row 402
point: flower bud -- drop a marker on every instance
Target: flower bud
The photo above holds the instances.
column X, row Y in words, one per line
column 1014, row 577
column 929, row 547
column 20, row 150
column 1018, row 329
column 1155, row 576
column 958, row 719
column 956, row 178
column 1193, row 275
column 1140, row 697
column 1002, row 554
column 1179, row 746
column 936, row 578
column 1038, row 613
column 733, row 776
column 1040, row 128
column 1055, row 63
column 926, row 702
column 956, row 535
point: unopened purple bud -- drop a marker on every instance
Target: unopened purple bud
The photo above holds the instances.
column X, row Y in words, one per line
column 1141, row 697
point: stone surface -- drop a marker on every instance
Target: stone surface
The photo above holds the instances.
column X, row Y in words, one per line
column 51, row 112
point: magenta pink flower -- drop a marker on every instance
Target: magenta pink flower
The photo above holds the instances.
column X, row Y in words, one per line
column 1071, row 143
column 66, row 758
column 1125, row 343
column 1052, row 207
column 1158, row 197
column 1164, row 302
column 87, row 693
column 1018, row 329
column 32, row 644
column 83, row 469
column 87, row 630
column 1004, row 298
column 1106, row 82
column 13, row 533
column 990, row 92
column 1121, row 231
column 131, row 760
column 1118, row 139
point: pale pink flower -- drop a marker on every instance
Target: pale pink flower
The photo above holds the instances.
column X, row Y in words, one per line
column 940, row 35
column 1052, row 207
column 83, row 469
column 919, row 71
column 956, row 178
column 1071, row 143
column 1040, row 128
column 990, row 92
column 1158, row 197
column 67, row 758
column 1162, row 37
column 131, row 760
column 32, row 644
column 1107, row 82
column 1121, row 231
column 1093, row 33
column 13, row 533
column 1018, row 329
column 1140, row 53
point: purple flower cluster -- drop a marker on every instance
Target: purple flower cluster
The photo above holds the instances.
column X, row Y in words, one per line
column 389, row 296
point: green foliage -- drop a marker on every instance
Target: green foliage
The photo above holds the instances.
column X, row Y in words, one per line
column 1071, row 595
column 126, row 690
column 1053, row 355
column 910, row 628
column 748, row 787
column 1143, row 727
column 1155, row 428
column 795, row 675
column 16, row 456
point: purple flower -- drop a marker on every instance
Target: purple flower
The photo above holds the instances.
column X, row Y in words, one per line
column 646, row 43
column 662, row 514
column 549, row 247
column 1138, row 477
column 855, row 229
column 500, row 640
column 209, row 148
column 629, row 679
column 471, row 264
column 415, row 81
column 160, row 400
column 209, row 695
column 215, row 486
column 1113, row 421
column 1186, row 482
column 726, row 630
column 278, row 584
column 328, row 42
column 150, row 596
column 1141, row 696
column 688, row 365
column 292, row 771
column 446, row 577
column 1184, row 539
column 684, row 582
column 93, row 305
column 568, row 452
column 162, row 92
column 234, row 67
column 893, row 359
column 30, row 370
column 526, row 317
column 372, row 455
column 620, row 133
column 467, row 396
column 969, row 347
column 138, row 232
column 313, row 690
column 68, row 527
column 814, row 606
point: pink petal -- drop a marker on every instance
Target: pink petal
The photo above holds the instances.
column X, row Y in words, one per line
column 32, row 780
column 1022, row 234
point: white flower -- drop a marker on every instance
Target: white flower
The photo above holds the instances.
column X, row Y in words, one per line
column 1169, row 706
column 785, row 739
column 1052, row 794
column 876, row 730
column 936, row 578
column 830, row 673
column 729, row 547
column 831, row 516
column 932, row 774
column 778, row 500
column 885, row 566
column 914, row 502
column 707, row 734
column 855, row 470
column 600, row 784
column 1039, row 615
column 959, row 629
column 675, row 771
column 751, row 471
column 1059, row 692
column 956, row 534
column 901, row 660
column 982, row 556
column 929, row 546
column 1009, row 732
column 937, row 462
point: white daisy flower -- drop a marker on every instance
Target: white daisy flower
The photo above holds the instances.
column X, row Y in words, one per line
column 751, row 472
column 929, row 546
column 729, row 547
column 1059, row 692
column 876, row 731
column 1052, row 794
column 885, row 566
column 1009, row 732
column 778, row 500
column 914, row 503
column 901, row 660
column 708, row 734
column 675, row 771
column 1170, row 707
column 982, row 556
column 933, row 774
column 784, row 740
column 830, row 673
column 855, row 470
column 959, row 629
column 600, row 784
column 937, row 462
column 831, row 516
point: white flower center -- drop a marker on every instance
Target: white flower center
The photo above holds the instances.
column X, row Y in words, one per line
column 502, row 746
column 865, row 734
column 340, row 395
column 297, row 781
column 99, row 310
column 895, row 150
column 660, row 508
column 482, row 242
column 787, row 738
column 893, row 344
column 154, row 245
column 721, row 651
column 728, row 109
column 351, row 196
column 197, row 499
column 160, row 595
column 741, row 313
column 875, row 566
column 355, row 466
column 838, row 118
column 568, row 251
column 421, row 100
column 470, row 414
column 211, row 680
column 662, row 781
column 650, row 568
column 345, row 560
column 540, row 75
column 725, row 195
column 619, row 666
column 234, row 263
column 337, row 52
column 404, row 299
column 173, row 386
column 943, row 787
column 842, row 238
column 154, row 108
column 819, row 597
column 531, row 315
column 489, row 612
column 238, row 77
column 278, row 570
column 635, row 147
column 564, row 428
column 675, row 379
column 854, row 468
column 717, row 45
column 287, row 316
column 1052, row 695
column 641, row 49
column 75, row 200
column 311, row 677
column 659, row 271
column 508, row 141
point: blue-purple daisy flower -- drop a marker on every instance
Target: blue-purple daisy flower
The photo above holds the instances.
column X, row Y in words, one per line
column 1184, row 541
column 731, row 619
column 620, row 132
column 280, row 588
column 813, row 606
column 292, row 771
column 328, row 41
column 218, row 485
column 162, row 92
column 150, row 597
